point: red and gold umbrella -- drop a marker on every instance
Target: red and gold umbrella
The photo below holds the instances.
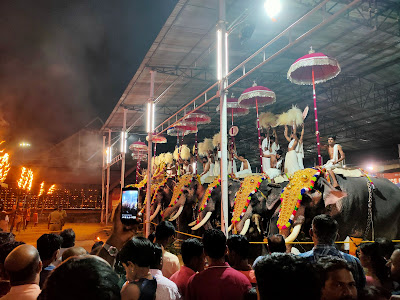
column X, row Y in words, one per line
column 311, row 69
column 256, row 96
column 157, row 139
column 197, row 117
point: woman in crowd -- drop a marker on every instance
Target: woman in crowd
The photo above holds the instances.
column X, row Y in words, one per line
column 136, row 256
column 372, row 259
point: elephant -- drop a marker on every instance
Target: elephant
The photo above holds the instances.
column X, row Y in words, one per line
column 161, row 200
column 349, row 207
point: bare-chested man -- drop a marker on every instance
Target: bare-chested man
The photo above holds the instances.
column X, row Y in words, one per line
column 336, row 155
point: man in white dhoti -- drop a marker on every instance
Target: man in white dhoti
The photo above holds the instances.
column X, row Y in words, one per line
column 335, row 150
column 291, row 160
column 299, row 148
column 245, row 168
column 276, row 164
column 206, row 170
column 269, row 146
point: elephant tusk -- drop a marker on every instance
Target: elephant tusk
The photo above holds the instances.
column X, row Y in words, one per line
column 204, row 221
column 257, row 221
column 294, row 234
column 178, row 213
column 192, row 223
column 230, row 228
column 155, row 213
column 245, row 227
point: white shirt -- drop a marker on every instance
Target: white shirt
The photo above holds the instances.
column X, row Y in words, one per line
column 23, row 292
column 166, row 289
column 170, row 264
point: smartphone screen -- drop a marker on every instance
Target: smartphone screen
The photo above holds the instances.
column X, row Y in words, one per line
column 129, row 205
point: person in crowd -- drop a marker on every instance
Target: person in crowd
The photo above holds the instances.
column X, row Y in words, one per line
column 165, row 236
column 187, row 167
column 276, row 243
column 136, row 256
column 371, row 258
column 48, row 245
column 4, row 218
column 6, row 237
column 5, row 249
column 166, row 289
column 35, row 217
column 194, row 261
column 23, row 267
column 275, row 163
column 82, row 278
column 337, row 281
column 57, row 219
column 245, row 167
column 394, row 265
column 374, row 293
column 238, row 251
column 387, row 247
column 336, row 156
column 68, row 236
column 323, row 233
column 27, row 216
column 219, row 280
column 286, row 276
column 73, row 251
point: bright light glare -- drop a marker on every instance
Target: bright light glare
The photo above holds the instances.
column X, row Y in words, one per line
column 23, row 144
column 273, row 7
column 371, row 168
column 123, row 142
column 150, row 110
column 219, row 55
column 108, row 155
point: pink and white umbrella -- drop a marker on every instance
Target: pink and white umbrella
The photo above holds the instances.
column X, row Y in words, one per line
column 311, row 69
column 157, row 139
column 197, row 117
column 256, row 96
column 235, row 110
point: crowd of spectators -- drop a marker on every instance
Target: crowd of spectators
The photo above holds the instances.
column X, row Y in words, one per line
column 128, row 266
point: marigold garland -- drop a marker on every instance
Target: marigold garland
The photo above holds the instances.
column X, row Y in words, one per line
column 207, row 195
column 249, row 187
column 291, row 196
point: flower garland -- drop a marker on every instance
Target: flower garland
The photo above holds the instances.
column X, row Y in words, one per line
column 159, row 170
column 207, row 195
column 249, row 187
column 184, row 181
column 291, row 196
column 369, row 179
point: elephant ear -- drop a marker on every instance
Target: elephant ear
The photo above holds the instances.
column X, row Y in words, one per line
column 331, row 195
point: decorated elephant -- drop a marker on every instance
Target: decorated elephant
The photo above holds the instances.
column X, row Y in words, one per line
column 362, row 209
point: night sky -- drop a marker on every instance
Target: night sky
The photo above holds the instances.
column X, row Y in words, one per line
column 65, row 62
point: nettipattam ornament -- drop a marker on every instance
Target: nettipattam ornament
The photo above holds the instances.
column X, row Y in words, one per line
column 302, row 182
column 207, row 195
column 249, row 187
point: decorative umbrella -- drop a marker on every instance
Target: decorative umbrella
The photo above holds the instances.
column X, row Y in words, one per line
column 257, row 96
column 157, row 139
column 198, row 117
column 235, row 110
column 311, row 69
column 139, row 150
column 181, row 129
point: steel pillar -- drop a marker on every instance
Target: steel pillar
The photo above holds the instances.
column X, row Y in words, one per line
column 150, row 106
column 108, row 176
column 123, row 150
column 223, row 49
column 103, row 180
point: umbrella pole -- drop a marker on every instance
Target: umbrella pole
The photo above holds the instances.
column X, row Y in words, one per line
column 137, row 168
column 259, row 136
column 232, row 147
column 155, row 149
column 177, row 143
column 195, row 148
column 316, row 120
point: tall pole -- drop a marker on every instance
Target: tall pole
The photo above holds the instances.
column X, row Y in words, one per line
column 316, row 120
column 123, row 150
column 108, row 175
column 150, row 107
column 223, row 71
column 103, row 179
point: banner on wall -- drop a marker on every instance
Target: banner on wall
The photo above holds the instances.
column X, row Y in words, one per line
column 393, row 177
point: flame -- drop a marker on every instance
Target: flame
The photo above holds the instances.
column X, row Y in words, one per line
column 25, row 181
column 41, row 190
column 51, row 189
column 4, row 166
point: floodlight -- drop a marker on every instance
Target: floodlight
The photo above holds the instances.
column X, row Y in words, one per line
column 273, row 7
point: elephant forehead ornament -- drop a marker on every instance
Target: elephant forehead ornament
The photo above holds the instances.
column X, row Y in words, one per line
column 154, row 191
column 301, row 182
column 184, row 181
column 249, row 186
column 207, row 195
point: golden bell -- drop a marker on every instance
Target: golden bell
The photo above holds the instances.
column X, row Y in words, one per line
column 304, row 177
column 289, row 186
